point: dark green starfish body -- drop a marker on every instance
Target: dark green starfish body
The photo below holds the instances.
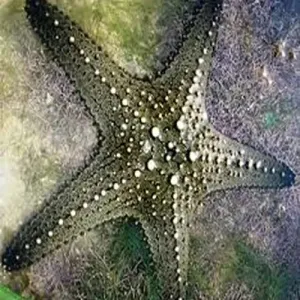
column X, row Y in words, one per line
column 159, row 156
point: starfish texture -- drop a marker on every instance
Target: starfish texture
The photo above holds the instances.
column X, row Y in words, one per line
column 158, row 155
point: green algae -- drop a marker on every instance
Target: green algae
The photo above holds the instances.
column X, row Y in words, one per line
column 271, row 120
column 129, row 250
column 126, row 29
column 121, row 267
column 262, row 277
column 7, row 294
column 236, row 262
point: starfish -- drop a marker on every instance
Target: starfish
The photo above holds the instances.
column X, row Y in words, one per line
column 158, row 155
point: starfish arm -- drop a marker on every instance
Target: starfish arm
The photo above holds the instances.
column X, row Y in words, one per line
column 194, row 57
column 101, row 193
column 101, row 83
column 226, row 164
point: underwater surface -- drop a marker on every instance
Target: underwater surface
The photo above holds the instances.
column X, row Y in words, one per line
column 150, row 149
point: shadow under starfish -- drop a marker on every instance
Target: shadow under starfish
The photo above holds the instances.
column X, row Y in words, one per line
column 158, row 155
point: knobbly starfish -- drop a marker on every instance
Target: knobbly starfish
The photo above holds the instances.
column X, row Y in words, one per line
column 158, row 155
